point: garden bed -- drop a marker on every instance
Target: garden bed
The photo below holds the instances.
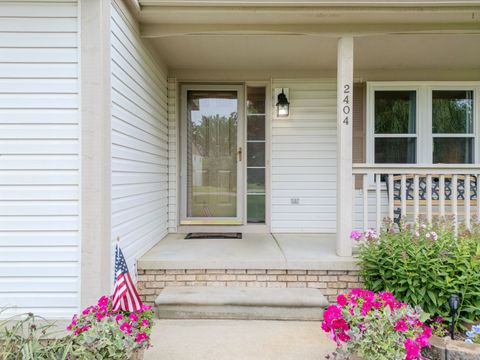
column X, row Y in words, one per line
column 448, row 349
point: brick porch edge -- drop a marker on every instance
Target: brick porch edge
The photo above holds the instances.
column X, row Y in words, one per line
column 330, row 282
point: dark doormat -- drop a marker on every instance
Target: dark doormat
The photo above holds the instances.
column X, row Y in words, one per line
column 199, row 235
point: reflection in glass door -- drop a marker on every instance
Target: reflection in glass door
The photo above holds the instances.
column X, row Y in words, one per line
column 212, row 154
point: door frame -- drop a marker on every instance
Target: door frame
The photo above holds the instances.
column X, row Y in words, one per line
column 239, row 219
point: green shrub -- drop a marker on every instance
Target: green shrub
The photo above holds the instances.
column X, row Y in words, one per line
column 423, row 265
column 29, row 337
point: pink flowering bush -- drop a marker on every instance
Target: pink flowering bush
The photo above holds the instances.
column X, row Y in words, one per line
column 423, row 264
column 100, row 333
column 375, row 326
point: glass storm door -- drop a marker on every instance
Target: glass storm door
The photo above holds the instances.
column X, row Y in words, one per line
column 212, row 137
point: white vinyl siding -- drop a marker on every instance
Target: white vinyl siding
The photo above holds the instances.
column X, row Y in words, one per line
column 39, row 158
column 139, row 140
column 304, row 159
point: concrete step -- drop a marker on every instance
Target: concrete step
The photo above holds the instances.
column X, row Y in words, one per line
column 240, row 303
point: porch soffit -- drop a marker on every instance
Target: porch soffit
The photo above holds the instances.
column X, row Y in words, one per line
column 309, row 16
column 161, row 21
column 252, row 34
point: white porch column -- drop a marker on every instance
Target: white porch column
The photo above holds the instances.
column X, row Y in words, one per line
column 344, row 145
column 96, row 267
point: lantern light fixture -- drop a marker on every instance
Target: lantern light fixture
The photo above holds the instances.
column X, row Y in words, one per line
column 283, row 106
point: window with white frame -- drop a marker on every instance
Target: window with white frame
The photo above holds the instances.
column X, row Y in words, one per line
column 427, row 123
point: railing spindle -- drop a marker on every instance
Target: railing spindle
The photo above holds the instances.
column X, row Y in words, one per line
column 404, row 196
column 441, row 195
column 429, row 198
column 478, row 202
column 416, row 197
column 365, row 202
column 390, row 197
column 378, row 194
column 467, row 200
column 454, row 202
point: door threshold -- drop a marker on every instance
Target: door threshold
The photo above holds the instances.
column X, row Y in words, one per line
column 248, row 228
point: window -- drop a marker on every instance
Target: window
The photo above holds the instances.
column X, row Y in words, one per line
column 256, row 143
column 395, row 126
column 452, row 126
column 427, row 123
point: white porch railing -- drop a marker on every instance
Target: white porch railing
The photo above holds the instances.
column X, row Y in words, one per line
column 407, row 191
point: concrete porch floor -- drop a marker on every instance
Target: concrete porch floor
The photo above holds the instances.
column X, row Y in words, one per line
column 238, row 340
column 254, row 251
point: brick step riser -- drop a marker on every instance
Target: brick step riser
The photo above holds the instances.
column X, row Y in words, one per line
column 330, row 282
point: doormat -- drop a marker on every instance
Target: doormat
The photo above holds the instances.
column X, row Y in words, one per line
column 213, row 236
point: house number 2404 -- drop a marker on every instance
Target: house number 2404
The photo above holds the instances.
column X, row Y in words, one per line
column 346, row 110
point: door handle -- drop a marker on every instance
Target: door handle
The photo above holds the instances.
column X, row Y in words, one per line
column 239, row 152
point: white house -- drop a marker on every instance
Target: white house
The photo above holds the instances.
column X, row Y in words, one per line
column 145, row 120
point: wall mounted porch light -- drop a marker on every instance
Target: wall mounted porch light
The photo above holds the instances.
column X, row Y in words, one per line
column 283, row 106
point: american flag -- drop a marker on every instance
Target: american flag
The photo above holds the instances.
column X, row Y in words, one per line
column 125, row 296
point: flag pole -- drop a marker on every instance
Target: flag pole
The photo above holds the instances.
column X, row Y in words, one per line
column 117, row 247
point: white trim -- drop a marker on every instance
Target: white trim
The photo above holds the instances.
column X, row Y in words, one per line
column 239, row 219
column 424, row 148
column 96, row 246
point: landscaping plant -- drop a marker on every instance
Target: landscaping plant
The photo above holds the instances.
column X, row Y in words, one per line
column 473, row 336
column 29, row 337
column 97, row 333
column 423, row 265
column 375, row 326
column 100, row 333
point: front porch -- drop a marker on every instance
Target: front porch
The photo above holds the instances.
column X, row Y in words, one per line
column 257, row 260
column 323, row 170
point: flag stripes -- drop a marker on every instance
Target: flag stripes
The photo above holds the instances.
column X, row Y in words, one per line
column 125, row 295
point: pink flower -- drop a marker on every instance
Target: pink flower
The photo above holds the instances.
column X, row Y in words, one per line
column 103, row 302
column 141, row 337
column 401, row 325
column 88, row 310
column 145, row 322
column 133, row 317
column 99, row 316
column 413, row 350
column 144, row 308
column 81, row 329
column 341, row 300
column 118, row 318
column 423, row 339
column 126, row 328
column 371, row 234
column 343, row 336
column 72, row 323
column 355, row 235
column 339, row 324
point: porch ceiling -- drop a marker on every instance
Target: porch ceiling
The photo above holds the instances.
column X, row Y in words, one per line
column 313, row 53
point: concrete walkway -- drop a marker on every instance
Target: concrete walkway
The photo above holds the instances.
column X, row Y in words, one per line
column 238, row 340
